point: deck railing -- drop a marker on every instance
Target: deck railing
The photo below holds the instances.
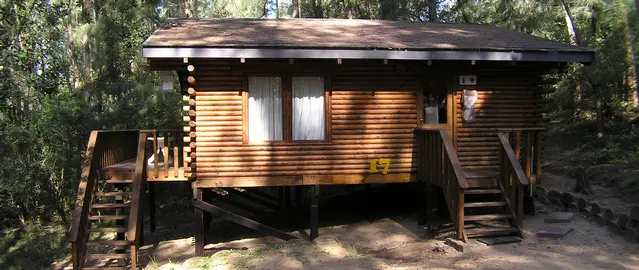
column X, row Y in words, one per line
column 439, row 165
column 527, row 147
column 520, row 156
column 171, row 164
column 512, row 179
column 104, row 148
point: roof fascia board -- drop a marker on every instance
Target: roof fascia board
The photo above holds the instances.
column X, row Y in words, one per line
column 533, row 56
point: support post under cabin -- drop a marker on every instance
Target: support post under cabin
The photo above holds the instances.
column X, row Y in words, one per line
column 422, row 207
column 432, row 201
column 314, row 196
column 198, row 225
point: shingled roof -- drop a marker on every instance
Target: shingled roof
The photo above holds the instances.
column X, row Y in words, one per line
column 337, row 38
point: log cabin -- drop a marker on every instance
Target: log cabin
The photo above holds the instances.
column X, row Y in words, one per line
column 313, row 102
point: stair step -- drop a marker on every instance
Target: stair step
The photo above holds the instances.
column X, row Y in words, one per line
column 110, row 205
column 117, row 181
column 483, row 232
column 109, row 256
column 482, row 191
column 485, row 204
column 487, row 217
column 499, row 240
column 108, row 243
column 112, row 194
column 120, row 230
column 107, row 217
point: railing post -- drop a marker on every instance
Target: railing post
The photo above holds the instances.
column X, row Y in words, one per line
column 528, row 150
column 460, row 215
column 538, row 160
column 134, row 256
column 156, row 173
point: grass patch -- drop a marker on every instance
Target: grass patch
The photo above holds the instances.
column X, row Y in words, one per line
column 37, row 247
column 352, row 252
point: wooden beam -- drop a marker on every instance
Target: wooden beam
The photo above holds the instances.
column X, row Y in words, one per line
column 235, row 218
column 314, row 195
column 299, row 180
column 198, row 224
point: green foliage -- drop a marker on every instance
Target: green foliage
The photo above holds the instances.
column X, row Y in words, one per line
column 35, row 247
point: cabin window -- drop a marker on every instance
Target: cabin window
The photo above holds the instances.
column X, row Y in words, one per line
column 265, row 109
column 309, row 120
column 435, row 103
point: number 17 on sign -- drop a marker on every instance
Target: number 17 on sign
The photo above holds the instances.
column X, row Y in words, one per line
column 381, row 161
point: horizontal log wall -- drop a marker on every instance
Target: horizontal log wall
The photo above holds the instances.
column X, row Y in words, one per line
column 373, row 113
column 508, row 98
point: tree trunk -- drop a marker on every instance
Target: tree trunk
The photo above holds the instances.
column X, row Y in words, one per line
column 296, row 9
column 187, row 9
column 432, row 10
column 600, row 122
column 631, row 74
column 574, row 36
column 73, row 56
column 277, row 9
column 349, row 9
column 265, row 10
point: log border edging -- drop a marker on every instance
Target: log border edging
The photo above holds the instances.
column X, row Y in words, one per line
column 626, row 225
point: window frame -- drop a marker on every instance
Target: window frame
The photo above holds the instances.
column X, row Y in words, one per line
column 287, row 107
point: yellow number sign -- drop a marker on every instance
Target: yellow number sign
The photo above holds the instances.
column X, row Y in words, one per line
column 381, row 161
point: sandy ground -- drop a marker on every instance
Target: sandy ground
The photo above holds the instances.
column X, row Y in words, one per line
column 395, row 243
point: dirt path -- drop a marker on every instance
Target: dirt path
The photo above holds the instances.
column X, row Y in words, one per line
column 393, row 243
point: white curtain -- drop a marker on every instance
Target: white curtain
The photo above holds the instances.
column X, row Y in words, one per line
column 308, row 108
column 265, row 109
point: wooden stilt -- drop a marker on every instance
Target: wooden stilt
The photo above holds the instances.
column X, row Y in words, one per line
column 314, row 195
column 287, row 197
column 431, row 205
column 298, row 196
column 198, row 225
column 246, row 222
column 423, row 204
column 281, row 194
column 151, row 202
column 207, row 196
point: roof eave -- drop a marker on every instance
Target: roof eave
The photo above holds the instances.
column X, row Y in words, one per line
column 296, row 53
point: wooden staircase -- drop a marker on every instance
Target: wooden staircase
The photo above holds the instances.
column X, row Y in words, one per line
column 109, row 218
column 486, row 203
column 487, row 213
column 106, row 229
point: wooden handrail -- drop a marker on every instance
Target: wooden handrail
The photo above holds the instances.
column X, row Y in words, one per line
column 439, row 165
column 87, row 179
column 512, row 159
column 453, row 159
column 513, row 189
column 526, row 144
column 137, row 190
